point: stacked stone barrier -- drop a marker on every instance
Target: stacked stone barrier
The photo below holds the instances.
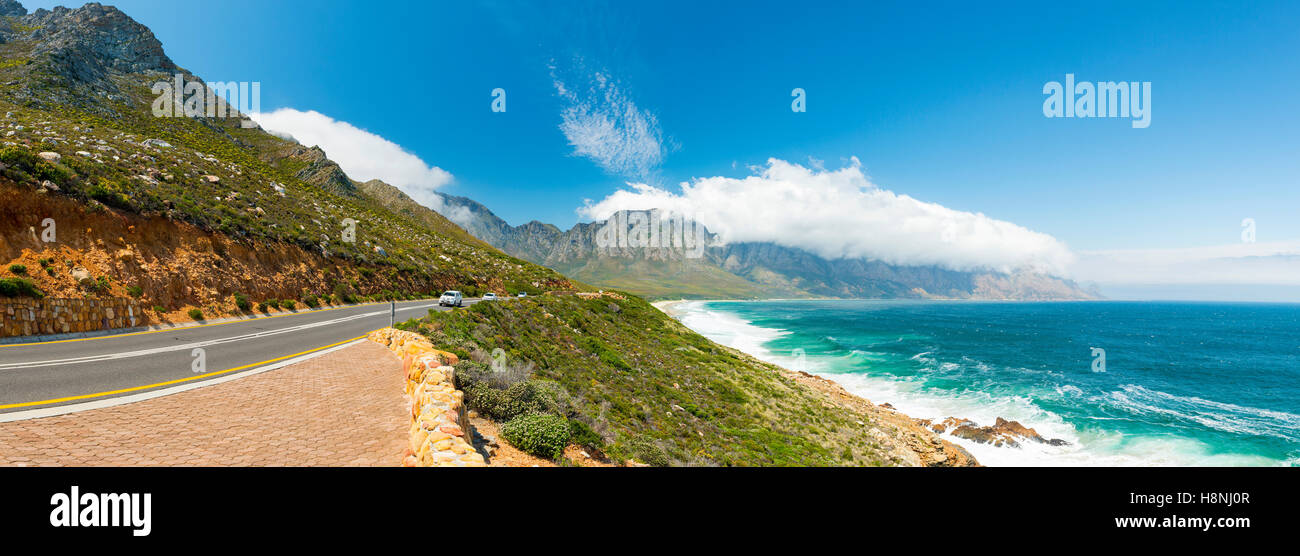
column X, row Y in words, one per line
column 27, row 317
column 440, row 434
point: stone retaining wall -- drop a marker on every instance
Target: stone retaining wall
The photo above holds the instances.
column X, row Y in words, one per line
column 26, row 317
column 440, row 433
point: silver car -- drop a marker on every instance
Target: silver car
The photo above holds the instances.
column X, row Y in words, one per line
column 451, row 298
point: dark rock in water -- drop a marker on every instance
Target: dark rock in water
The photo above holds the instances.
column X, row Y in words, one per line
column 1002, row 433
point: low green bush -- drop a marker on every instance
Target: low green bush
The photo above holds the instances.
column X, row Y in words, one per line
column 196, row 314
column 289, row 304
column 343, row 293
column 18, row 269
column 243, row 302
column 15, row 287
column 311, row 300
column 583, row 435
column 599, row 349
column 538, row 434
column 135, row 291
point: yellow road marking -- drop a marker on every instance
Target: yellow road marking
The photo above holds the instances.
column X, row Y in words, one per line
column 176, row 328
column 176, row 381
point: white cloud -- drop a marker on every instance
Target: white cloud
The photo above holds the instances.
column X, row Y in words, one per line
column 1274, row 263
column 603, row 124
column 362, row 154
column 840, row 213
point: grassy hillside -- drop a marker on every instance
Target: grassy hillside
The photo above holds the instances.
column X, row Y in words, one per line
column 637, row 385
column 216, row 178
column 670, row 279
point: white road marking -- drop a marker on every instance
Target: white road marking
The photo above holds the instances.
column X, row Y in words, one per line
column 192, row 345
column 122, row 400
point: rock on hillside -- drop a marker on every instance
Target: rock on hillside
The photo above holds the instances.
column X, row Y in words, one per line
column 312, row 166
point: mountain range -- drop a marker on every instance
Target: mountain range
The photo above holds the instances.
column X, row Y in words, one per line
column 739, row 269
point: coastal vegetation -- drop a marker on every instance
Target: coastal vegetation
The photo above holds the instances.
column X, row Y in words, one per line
column 621, row 378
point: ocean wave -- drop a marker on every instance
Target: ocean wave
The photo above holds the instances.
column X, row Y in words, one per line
column 1220, row 416
column 986, row 397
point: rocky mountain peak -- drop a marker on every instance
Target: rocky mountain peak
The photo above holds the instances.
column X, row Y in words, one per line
column 89, row 41
column 12, row 8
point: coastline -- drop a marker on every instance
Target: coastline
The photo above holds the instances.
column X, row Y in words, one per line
column 911, row 439
column 996, row 421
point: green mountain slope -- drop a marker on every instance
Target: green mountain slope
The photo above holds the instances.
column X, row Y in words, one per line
column 77, row 84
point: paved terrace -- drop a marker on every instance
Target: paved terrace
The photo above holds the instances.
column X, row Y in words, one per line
column 344, row 408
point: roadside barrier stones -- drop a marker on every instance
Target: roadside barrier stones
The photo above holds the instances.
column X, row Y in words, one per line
column 439, row 433
column 26, row 317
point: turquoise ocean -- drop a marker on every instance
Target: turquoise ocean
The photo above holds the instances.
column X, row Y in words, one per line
column 1196, row 384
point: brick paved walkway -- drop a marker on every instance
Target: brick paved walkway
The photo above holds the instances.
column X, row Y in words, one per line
column 344, row 408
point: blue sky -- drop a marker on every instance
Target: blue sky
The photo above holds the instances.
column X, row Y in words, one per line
column 940, row 102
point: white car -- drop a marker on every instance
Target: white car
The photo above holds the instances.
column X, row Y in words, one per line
column 489, row 296
column 523, row 294
column 451, row 298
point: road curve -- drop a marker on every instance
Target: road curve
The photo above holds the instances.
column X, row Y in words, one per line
column 52, row 374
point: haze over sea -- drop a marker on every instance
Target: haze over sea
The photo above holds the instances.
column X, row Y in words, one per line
column 1185, row 383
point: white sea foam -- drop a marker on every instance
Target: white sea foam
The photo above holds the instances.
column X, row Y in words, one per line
column 1091, row 446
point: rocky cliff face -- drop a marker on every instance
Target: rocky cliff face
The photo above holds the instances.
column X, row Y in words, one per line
column 78, row 56
column 312, row 166
column 12, row 8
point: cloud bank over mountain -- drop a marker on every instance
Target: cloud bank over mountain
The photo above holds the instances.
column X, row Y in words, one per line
column 841, row 214
column 360, row 153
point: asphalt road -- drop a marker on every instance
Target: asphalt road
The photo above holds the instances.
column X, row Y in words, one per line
column 45, row 375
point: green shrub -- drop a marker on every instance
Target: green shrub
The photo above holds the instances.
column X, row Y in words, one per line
column 196, row 314
column 27, row 163
column 110, row 194
column 95, row 285
column 159, row 309
column 538, row 434
column 18, row 269
column 498, row 396
column 14, row 287
column 243, row 302
column 582, row 434
column 646, row 451
column 343, row 293
column 599, row 349
column 274, row 303
column 135, row 291
column 262, row 306
column 289, row 304
column 311, row 300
